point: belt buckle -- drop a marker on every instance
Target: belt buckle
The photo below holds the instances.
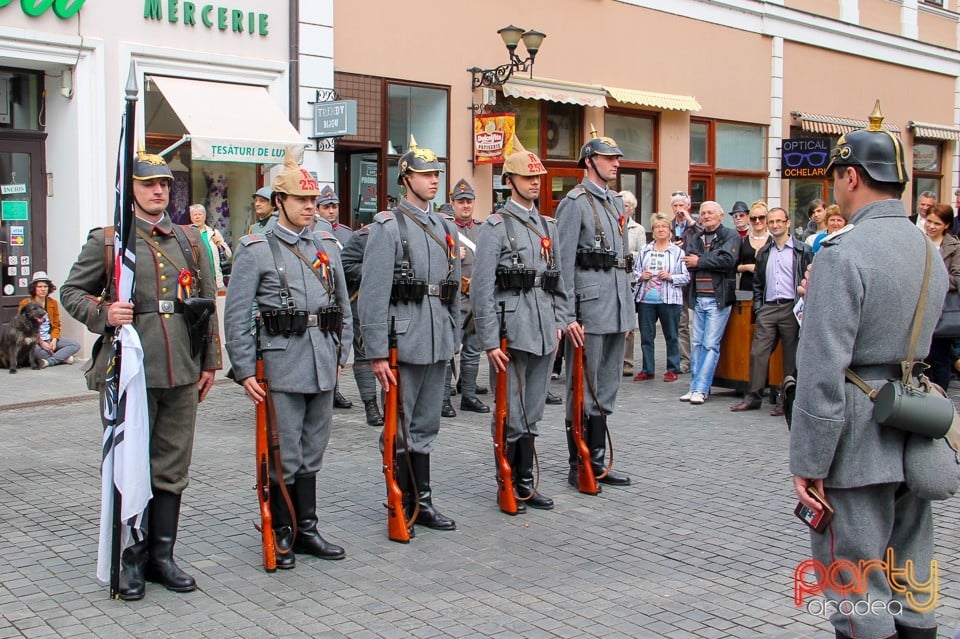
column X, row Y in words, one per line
column 165, row 306
column 312, row 320
column 433, row 289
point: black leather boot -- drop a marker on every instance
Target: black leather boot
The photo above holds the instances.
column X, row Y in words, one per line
column 574, row 459
column 161, row 538
column 523, row 475
column 909, row 632
column 512, row 460
column 132, row 562
column 308, row 540
column 282, row 526
column 446, row 410
column 372, row 408
column 597, row 442
column 339, row 401
column 408, row 488
column 428, row 516
column 473, row 405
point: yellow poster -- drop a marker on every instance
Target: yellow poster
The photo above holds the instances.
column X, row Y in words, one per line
column 493, row 137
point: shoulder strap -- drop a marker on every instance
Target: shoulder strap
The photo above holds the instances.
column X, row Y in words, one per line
column 109, row 260
column 191, row 253
column 274, row 244
column 918, row 315
column 404, row 236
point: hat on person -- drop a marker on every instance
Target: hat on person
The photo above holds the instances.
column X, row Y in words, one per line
column 327, row 196
column 877, row 150
column 40, row 276
column 446, row 209
column 597, row 146
column 265, row 192
column 463, row 191
column 294, row 180
column 417, row 160
column 739, row 207
column 148, row 166
column 522, row 162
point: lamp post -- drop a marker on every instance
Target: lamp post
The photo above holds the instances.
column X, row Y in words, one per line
column 511, row 36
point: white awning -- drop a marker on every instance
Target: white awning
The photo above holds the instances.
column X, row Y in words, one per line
column 665, row 101
column 834, row 124
column 555, row 91
column 934, row 131
column 230, row 122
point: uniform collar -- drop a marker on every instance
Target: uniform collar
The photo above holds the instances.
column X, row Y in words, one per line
column 519, row 210
column 288, row 236
column 410, row 209
column 600, row 191
column 164, row 226
column 464, row 224
column 877, row 209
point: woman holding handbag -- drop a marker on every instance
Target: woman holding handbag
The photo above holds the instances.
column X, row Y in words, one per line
column 939, row 222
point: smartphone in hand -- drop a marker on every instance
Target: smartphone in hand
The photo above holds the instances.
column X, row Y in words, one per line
column 818, row 521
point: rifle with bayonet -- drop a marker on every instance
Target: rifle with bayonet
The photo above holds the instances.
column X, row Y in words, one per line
column 398, row 528
column 586, row 482
column 506, row 498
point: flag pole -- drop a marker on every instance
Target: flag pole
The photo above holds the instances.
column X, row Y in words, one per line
column 122, row 227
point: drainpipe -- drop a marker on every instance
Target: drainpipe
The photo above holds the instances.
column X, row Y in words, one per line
column 294, row 64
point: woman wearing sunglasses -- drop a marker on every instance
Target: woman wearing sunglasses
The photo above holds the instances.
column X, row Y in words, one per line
column 752, row 242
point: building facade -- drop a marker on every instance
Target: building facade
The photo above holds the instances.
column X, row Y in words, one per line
column 727, row 100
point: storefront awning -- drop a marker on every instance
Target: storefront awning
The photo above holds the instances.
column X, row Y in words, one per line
column 934, row 131
column 230, row 122
column 833, row 124
column 555, row 91
column 665, row 101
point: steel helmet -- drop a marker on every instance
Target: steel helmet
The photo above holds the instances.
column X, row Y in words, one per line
column 597, row 146
column 417, row 160
column 877, row 150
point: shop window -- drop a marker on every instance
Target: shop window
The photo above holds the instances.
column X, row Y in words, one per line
column 727, row 162
column 21, row 99
column 927, row 172
column 421, row 111
column 563, row 131
column 634, row 135
column 699, row 148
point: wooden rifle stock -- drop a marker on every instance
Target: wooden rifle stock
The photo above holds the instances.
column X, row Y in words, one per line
column 586, row 482
column 263, row 476
column 397, row 528
column 506, row 498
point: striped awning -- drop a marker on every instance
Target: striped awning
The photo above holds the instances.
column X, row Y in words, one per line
column 833, row 124
column 934, row 131
column 654, row 99
column 555, row 91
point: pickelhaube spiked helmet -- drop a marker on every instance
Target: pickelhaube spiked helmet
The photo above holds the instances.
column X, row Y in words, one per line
column 417, row 160
column 148, row 166
column 597, row 146
column 877, row 150
column 294, row 180
column 522, row 162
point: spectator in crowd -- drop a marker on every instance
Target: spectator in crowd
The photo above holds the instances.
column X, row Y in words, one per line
column 265, row 216
column 217, row 248
column 52, row 349
column 924, row 202
column 939, row 219
column 661, row 275
column 817, row 214
column 712, row 261
column 835, row 222
column 636, row 237
column 757, row 238
column 781, row 265
column 741, row 218
column 955, row 229
column 684, row 227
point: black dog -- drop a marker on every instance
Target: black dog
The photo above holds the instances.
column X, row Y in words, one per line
column 20, row 336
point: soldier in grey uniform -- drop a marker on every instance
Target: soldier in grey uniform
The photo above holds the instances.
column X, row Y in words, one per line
column 284, row 270
column 468, row 229
column 411, row 272
column 516, row 266
column 266, row 214
column 859, row 307
column 328, row 209
column 595, row 267
column 166, row 255
column 352, row 259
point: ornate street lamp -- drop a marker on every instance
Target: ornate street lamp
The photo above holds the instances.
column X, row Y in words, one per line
column 511, row 37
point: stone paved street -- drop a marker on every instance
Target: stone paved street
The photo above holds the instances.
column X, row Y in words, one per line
column 702, row 545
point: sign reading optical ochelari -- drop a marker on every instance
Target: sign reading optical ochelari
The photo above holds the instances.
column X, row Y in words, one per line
column 34, row 8
column 209, row 15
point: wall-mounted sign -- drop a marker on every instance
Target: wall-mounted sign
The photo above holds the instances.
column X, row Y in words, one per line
column 210, row 16
column 493, row 137
column 63, row 9
column 11, row 189
column 334, row 119
column 14, row 210
column 804, row 157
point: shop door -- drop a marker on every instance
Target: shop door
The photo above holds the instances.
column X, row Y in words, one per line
column 23, row 216
column 556, row 184
column 357, row 174
column 801, row 194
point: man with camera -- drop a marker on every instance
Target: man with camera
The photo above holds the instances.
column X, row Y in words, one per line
column 860, row 302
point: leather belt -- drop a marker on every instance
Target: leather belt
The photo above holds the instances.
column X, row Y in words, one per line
column 782, row 300
column 878, row 371
column 164, row 307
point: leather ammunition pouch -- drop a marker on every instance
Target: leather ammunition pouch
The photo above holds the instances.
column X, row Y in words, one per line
column 284, row 321
column 596, row 258
column 515, row 278
column 408, row 289
column 330, row 318
column 449, row 290
column 550, row 281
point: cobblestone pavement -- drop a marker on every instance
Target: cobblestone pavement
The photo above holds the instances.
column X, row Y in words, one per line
column 703, row 544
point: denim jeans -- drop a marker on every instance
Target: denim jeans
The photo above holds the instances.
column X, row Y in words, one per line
column 669, row 316
column 709, row 323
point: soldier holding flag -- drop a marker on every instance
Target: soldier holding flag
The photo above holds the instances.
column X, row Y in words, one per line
column 184, row 352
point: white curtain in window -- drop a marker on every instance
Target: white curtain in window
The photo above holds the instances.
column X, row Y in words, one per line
column 740, row 146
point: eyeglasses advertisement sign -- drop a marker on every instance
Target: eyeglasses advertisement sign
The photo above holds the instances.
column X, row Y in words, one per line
column 804, row 157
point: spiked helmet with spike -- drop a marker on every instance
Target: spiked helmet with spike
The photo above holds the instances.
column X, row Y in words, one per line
column 597, row 146
column 877, row 150
column 417, row 160
column 147, row 166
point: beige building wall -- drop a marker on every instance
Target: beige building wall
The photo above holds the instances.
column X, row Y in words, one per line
column 827, row 8
column 935, row 28
column 881, row 15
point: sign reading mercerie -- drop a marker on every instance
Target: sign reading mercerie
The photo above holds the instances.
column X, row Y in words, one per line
column 209, row 15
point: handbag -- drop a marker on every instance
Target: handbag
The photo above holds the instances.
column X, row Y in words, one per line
column 949, row 325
